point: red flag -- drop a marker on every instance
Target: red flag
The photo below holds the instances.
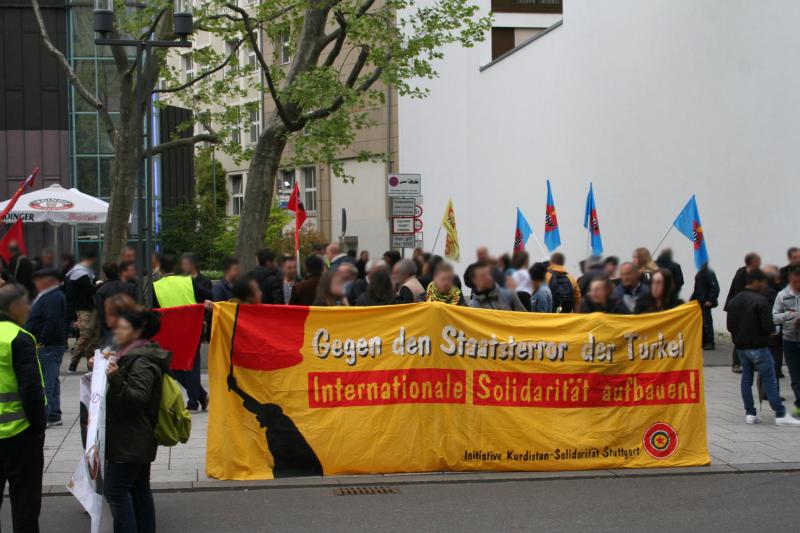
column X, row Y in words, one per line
column 181, row 328
column 296, row 205
column 14, row 234
column 25, row 184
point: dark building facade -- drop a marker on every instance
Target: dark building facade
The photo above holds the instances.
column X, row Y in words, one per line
column 34, row 115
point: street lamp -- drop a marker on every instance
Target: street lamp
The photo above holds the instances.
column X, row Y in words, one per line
column 182, row 27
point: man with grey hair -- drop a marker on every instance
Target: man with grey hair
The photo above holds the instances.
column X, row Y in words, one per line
column 334, row 256
column 22, row 411
column 404, row 276
column 360, row 286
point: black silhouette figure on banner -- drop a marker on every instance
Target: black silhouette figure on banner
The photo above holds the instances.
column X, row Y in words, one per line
column 292, row 454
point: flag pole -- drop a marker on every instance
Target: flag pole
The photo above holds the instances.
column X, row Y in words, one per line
column 436, row 240
column 539, row 244
column 662, row 240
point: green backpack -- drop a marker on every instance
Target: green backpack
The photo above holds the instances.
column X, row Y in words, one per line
column 174, row 422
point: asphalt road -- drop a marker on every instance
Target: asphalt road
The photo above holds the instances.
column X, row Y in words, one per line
column 708, row 503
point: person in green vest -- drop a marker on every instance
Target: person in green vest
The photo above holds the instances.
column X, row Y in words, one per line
column 22, row 411
column 174, row 290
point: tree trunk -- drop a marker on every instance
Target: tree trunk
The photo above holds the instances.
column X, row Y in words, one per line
column 125, row 172
column 264, row 167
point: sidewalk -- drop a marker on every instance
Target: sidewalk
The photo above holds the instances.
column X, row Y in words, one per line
column 733, row 446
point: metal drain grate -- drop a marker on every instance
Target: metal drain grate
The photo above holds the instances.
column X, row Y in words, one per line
column 365, row 491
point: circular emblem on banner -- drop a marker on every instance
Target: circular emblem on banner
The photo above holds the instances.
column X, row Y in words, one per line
column 660, row 440
column 51, row 204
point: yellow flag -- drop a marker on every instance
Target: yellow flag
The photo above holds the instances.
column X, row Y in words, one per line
column 451, row 246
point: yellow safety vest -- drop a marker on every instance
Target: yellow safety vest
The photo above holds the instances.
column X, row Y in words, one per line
column 12, row 417
column 173, row 291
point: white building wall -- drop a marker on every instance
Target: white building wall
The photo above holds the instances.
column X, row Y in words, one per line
column 365, row 203
column 652, row 101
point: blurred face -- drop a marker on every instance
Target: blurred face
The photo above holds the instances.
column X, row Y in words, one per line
column 187, row 267
column 364, row 256
column 47, row 259
column 124, row 333
column 482, row 279
column 331, row 251
column 42, row 284
column 610, row 269
column 290, row 269
column 794, row 282
column 19, row 310
column 111, row 315
column 128, row 254
column 443, row 280
column 347, row 274
column 795, row 258
column 128, row 274
column 482, row 253
column 657, row 286
column 233, row 272
column 255, row 290
column 629, row 275
column 337, row 286
column 599, row 292
column 397, row 274
column 755, row 264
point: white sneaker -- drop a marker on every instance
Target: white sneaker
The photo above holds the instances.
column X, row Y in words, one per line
column 752, row 419
column 787, row 420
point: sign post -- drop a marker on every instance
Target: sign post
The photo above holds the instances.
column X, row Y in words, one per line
column 405, row 195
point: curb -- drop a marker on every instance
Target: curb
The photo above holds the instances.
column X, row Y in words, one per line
column 441, row 478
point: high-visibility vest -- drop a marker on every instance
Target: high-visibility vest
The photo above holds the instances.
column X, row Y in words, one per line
column 173, row 291
column 12, row 416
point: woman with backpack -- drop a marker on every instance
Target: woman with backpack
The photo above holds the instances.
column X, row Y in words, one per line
column 132, row 403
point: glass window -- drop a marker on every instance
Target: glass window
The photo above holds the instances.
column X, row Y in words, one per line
column 82, row 33
column 108, row 84
column 86, row 133
column 188, row 66
column 85, row 71
column 86, row 170
column 255, row 125
column 234, row 63
column 310, row 187
column 237, row 193
column 283, row 48
column 104, row 176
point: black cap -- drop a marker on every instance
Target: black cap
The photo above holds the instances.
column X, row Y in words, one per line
column 48, row 273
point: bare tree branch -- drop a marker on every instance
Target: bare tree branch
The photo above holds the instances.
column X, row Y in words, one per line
column 273, row 92
column 90, row 98
column 341, row 33
column 181, row 142
column 204, row 74
column 147, row 34
column 351, row 81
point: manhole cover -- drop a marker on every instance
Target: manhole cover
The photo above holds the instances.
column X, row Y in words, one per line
column 365, row 491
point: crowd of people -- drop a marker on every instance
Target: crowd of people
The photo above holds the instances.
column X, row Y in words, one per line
column 43, row 303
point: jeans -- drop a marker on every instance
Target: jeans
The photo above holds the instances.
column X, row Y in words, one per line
column 51, row 357
column 127, row 490
column 22, row 464
column 791, row 353
column 190, row 380
column 760, row 359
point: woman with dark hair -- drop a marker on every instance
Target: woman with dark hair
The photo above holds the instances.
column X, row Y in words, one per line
column 662, row 293
column 134, row 393
column 598, row 297
column 380, row 290
column 330, row 291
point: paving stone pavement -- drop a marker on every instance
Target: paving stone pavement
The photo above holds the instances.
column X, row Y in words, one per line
column 732, row 444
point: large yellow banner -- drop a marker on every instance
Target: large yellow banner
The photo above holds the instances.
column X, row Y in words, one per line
column 435, row 387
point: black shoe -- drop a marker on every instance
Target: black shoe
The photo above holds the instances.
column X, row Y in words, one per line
column 73, row 367
column 736, row 369
column 192, row 408
column 204, row 403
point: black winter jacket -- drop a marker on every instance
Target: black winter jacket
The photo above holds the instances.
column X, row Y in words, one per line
column 750, row 320
column 132, row 401
column 271, row 282
column 706, row 287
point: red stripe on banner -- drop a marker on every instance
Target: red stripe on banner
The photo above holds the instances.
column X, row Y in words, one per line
column 535, row 389
column 181, row 329
column 256, row 349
